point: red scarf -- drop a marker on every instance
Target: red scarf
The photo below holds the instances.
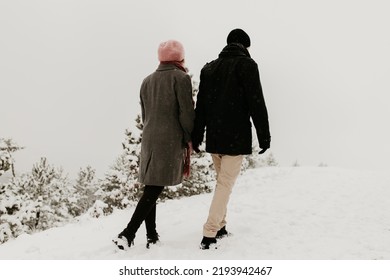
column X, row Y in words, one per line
column 187, row 160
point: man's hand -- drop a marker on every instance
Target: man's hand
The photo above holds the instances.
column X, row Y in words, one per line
column 263, row 151
column 264, row 146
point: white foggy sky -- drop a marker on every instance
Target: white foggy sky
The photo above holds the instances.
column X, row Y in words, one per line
column 70, row 73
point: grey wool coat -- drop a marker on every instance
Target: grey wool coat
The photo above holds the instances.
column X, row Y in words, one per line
column 168, row 118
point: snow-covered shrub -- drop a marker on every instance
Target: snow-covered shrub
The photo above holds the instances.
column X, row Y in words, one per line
column 7, row 148
column 35, row 201
column 201, row 178
column 296, row 164
column 117, row 190
column 85, row 189
column 119, row 187
column 270, row 160
column 13, row 202
column 50, row 190
column 5, row 163
column 255, row 160
column 5, row 232
column 98, row 209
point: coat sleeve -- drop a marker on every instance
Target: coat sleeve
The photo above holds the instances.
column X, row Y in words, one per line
column 142, row 101
column 183, row 88
column 253, row 92
column 200, row 116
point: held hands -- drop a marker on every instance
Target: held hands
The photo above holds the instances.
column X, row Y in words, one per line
column 189, row 147
column 195, row 148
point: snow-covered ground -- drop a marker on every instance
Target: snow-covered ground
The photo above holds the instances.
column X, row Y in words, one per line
column 275, row 213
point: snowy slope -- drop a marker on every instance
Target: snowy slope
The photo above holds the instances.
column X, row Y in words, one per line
column 275, row 214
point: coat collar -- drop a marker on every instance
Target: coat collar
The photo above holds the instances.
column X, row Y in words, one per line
column 165, row 67
column 234, row 49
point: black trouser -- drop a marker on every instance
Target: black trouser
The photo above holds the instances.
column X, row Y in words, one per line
column 145, row 211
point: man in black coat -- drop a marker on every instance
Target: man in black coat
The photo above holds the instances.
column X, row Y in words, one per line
column 230, row 94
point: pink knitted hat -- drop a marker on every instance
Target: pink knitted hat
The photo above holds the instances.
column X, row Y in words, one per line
column 171, row 50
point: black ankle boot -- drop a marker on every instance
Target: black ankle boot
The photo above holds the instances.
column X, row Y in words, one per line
column 151, row 239
column 208, row 242
column 222, row 233
column 124, row 240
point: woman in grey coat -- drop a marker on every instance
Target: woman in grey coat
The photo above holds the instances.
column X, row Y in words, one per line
column 168, row 116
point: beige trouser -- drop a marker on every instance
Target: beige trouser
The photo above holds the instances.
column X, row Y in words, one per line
column 227, row 169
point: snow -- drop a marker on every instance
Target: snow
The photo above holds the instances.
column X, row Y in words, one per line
column 275, row 213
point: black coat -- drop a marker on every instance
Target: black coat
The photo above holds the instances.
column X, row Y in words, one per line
column 230, row 93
